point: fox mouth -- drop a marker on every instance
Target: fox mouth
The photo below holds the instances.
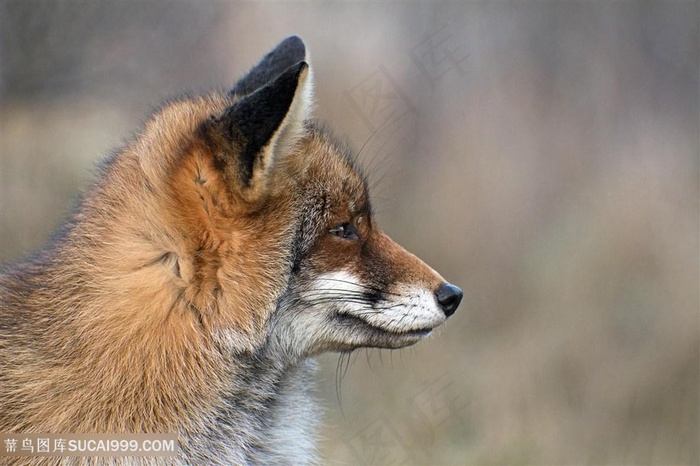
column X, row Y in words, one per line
column 382, row 337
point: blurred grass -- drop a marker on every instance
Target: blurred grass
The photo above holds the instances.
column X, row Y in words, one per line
column 550, row 169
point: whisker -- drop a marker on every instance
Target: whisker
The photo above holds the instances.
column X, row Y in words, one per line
column 368, row 354
column 390, row 136
column 338, row 383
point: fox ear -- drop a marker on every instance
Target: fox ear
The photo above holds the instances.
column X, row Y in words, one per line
column 258, row 128
column 288, row 52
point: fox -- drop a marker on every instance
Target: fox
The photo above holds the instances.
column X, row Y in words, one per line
column 213, row 257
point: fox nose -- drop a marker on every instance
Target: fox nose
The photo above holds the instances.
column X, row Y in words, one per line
column 448, row 297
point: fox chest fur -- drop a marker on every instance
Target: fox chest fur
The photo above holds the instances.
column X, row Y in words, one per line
column 227, row 244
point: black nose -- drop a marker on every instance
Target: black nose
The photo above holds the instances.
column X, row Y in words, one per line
column 449, row 297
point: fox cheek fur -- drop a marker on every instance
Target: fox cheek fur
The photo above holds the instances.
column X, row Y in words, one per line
column 216, row 252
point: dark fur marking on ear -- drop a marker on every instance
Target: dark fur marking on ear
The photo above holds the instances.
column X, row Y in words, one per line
column 287, row 53
column 253, row 120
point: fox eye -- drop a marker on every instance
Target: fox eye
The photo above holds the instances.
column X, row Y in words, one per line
column 345, row 231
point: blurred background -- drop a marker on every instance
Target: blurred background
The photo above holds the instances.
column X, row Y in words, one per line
column 541, row 155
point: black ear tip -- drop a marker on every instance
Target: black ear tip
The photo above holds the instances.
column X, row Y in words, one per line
column 293, row 41
column 293, row 47
column 287, row 53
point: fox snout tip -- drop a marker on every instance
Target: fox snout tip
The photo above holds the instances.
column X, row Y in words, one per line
column 448, row 297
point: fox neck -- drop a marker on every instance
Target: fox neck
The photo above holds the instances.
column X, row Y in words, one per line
column 145, row 373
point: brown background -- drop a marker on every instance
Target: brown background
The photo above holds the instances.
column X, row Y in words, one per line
column 543, row 156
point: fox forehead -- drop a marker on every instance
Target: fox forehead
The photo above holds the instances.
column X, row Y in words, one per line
column 325, row 168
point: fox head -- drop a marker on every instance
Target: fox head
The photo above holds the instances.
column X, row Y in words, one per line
column 259, row 225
